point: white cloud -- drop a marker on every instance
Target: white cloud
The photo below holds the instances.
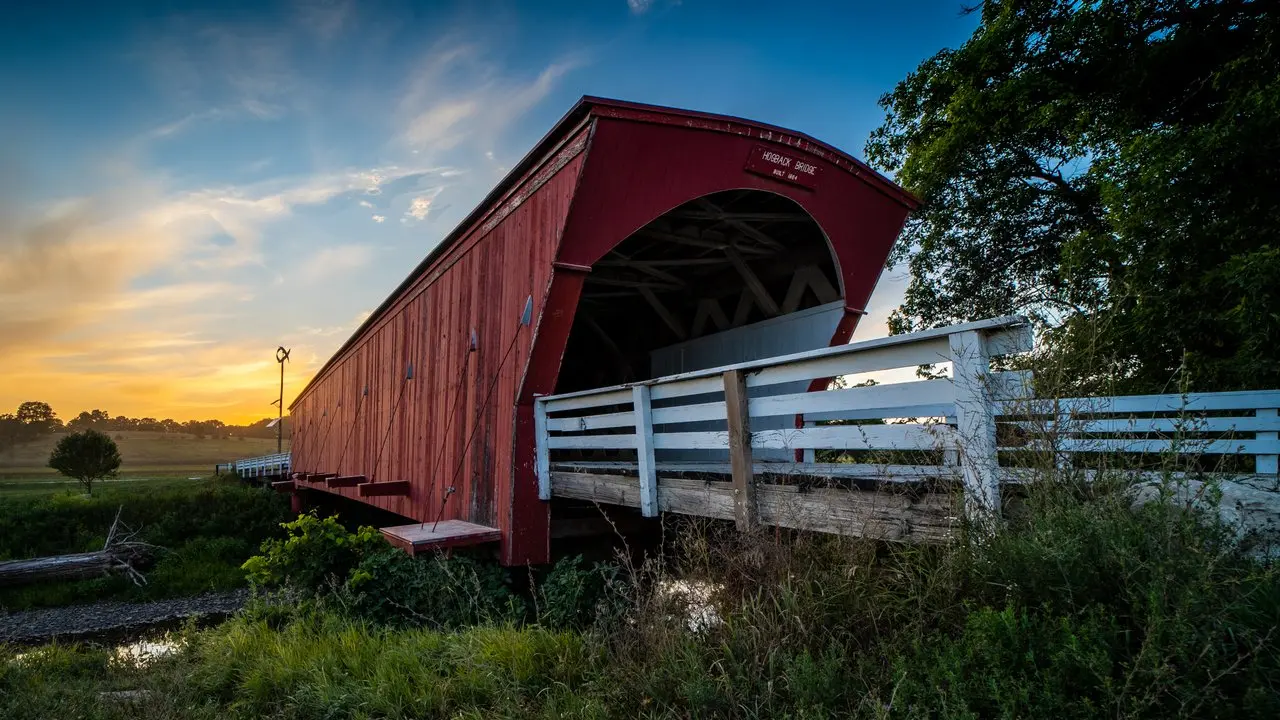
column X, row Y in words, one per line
column 379, row 218
column 420, row 206
column 332, row 261
column 366, row 204
column 639, row 7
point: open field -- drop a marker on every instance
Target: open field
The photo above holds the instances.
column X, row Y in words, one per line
column 145, row 455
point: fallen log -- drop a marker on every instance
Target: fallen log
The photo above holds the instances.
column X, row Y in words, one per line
column 78, row 566
column 117, row 556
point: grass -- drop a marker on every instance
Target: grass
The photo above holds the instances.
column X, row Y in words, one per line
column 145, row 455
column 1081, row 608
column 207, row 528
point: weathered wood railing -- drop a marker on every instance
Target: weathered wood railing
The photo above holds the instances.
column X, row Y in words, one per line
column 975, row 428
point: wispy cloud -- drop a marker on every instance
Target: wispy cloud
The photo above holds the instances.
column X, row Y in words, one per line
column 639, row 7
column 379, row 218
column 333, row 261
column 456, row 94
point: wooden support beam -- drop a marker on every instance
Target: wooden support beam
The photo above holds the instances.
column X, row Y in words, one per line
column 283, row 486
column 732, row 221
column 880, row 514
column 684, row 240
column 671, row 320
column 320, row 477
column 646, row 464
column 345, row 481
column 678, row 262
column 740, row 461
column 709, row 309
column 743, row 216
column 811, row 277
column 975, row 425
column 822, row 287
column 623, row 282
column 795, row 292
column 743, row 310
column 757, row 288
column 380, row 489
column 620, row 356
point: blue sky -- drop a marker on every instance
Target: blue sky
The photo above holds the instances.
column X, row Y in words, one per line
column 182, row 188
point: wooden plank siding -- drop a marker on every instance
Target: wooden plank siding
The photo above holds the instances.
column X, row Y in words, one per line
column 451, row 424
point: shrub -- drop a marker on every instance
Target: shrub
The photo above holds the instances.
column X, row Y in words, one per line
column 87, row 456
column 360, row 572
column 316, row 554
column 574, row 596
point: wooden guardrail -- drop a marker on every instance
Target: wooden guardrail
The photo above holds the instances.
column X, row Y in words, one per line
column 972, row 427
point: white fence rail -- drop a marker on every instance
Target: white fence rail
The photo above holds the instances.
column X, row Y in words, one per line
column 276, row 464
column 963, row 427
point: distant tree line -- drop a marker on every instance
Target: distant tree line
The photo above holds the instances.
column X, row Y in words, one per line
column 34, row 419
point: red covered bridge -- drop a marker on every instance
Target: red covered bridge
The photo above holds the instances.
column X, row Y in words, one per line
column 633, row 241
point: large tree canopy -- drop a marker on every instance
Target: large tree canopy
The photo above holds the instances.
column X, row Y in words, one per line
column 1111, row 169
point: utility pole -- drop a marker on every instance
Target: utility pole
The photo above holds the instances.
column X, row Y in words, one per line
column 282, row 356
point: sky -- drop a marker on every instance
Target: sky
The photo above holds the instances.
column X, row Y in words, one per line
column 183, row 188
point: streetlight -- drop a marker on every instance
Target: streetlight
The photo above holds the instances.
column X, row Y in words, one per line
column 282, row 356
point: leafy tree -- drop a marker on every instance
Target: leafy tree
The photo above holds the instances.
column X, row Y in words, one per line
column 1110, row 168
column 87, row 456
column 39, row 416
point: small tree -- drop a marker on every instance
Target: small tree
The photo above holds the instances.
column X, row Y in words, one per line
column 87, row 456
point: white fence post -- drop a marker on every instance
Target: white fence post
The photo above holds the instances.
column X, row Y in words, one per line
column 542, row 452
column 1267, row 464
column 810, row 454
column 975, row 425
column 646, row 466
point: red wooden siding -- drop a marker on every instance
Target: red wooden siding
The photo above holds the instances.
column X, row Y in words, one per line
column 418, row 429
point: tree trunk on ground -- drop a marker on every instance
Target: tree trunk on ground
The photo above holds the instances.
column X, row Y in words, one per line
column 120, row 554
column 80, row 566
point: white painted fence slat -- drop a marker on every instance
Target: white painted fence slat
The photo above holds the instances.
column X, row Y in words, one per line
column 857, row 437
column 580, row 401
column 1268, row 464
column 1155, row 425
column 1124, row 404
column 1182, row 446
column 591, row 442
column 885, row 399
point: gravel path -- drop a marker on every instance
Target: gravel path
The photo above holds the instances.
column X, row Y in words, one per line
column 79, row 621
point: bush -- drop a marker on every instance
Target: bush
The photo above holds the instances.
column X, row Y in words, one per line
column 575, row 596
column 371, row 580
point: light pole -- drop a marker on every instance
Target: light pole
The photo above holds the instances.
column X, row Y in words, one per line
column 282, row 357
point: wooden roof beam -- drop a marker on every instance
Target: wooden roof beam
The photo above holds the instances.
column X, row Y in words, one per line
column 741, row 226
column 386, row 488
column 709, row 309
column 757, row 288
column 671, row 320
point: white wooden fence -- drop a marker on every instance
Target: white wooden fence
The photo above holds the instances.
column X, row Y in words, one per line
column 949, row 428
column 274, row 465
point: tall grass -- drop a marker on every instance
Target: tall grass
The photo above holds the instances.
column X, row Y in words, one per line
column 205, row 529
